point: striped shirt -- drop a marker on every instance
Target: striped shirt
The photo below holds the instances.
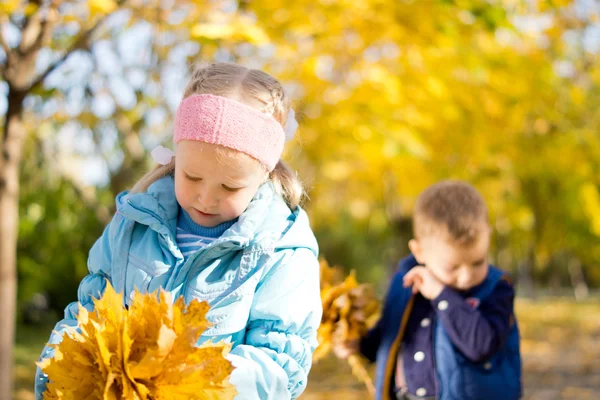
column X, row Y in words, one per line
column 191, row 237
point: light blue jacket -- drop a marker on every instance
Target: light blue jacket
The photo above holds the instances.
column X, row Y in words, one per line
column 261, row 278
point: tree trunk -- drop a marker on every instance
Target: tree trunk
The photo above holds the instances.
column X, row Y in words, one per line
column 525, row 273
column 11, row 148
column 20, row 75
column 578, row 280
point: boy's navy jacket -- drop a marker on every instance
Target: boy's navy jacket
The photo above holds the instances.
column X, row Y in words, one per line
column 459, row 346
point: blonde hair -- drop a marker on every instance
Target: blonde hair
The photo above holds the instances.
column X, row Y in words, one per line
column 453, row 208
column 251, row 87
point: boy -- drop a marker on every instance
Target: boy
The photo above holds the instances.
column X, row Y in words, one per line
column 448, row 329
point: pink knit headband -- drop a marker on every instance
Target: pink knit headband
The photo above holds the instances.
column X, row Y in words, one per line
column 225, row 122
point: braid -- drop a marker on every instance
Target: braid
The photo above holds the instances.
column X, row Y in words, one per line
column 276, row 106
column 199, row 74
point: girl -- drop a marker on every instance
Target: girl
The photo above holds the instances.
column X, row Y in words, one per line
column 220, row 221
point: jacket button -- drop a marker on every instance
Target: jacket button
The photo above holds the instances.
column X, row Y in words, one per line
column 487, row 365
column 425, row 322
column 442, row 305
column 421, row 392
column 419, row 356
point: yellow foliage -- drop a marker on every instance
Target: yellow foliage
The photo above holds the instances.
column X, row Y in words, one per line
column 9, row 6
column 238, row 29
column 591, row 204
column 102, row 6
column 349, row 311
column 147, row 352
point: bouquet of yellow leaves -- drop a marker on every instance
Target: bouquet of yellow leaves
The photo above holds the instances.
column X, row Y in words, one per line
column 349, row 311
column 146, row 352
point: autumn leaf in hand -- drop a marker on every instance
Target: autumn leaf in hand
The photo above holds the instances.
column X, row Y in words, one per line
column 146, row 352
column 350, row 309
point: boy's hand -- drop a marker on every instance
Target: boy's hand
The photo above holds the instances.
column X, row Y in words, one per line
column 422, row 280
column 345, row 349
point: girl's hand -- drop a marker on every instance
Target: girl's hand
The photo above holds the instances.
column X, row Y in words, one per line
column 422, row 280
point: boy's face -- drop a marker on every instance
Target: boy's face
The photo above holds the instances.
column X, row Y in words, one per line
column 459, row 266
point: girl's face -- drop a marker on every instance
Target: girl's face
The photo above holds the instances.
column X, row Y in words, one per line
column 215, row 184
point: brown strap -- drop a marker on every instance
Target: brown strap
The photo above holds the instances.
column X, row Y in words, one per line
column 389, row 368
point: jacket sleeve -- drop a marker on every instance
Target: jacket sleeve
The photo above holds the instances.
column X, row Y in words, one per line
column 478, row 332
column 92, row 286
column 281, row 336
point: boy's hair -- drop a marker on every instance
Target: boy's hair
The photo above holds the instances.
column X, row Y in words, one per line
column 255, row 89
column 451, row 208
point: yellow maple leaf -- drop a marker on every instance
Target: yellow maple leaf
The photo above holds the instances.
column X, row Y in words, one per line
column 349, row 310
column 146, row 352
